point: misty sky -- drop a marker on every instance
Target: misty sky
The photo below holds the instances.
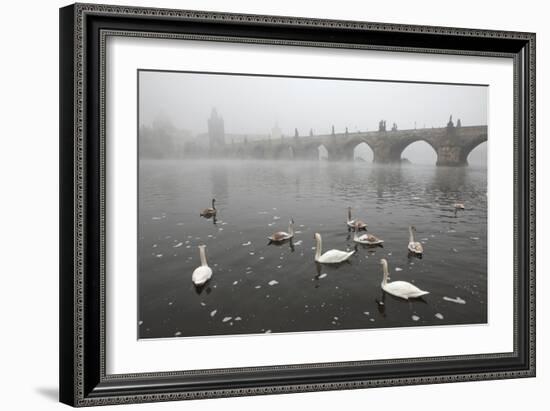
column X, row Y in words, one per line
column 253, row 104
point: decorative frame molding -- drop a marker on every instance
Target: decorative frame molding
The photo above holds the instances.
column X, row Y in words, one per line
column 83, row 32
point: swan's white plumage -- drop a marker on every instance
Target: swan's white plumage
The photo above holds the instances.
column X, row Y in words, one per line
column 415, row 247
column 203, row 273
column 331, row 256
column 334, row 256
column 401, row 289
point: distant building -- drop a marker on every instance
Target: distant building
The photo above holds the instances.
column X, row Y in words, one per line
column 216, row 132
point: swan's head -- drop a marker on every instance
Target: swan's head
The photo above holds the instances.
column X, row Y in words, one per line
column 413, row 228
column 291, row 220
column 213, row 200
column 383, row 261
column 202, row 247
column 317, row 236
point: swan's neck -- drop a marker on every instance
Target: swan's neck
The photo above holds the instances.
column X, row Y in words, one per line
column 349, row 214
column 318, row 247
column 213, row 205
column 291, row 228
column 355, row 236
column 411, row 235
column 386, row 273
column 203, row 257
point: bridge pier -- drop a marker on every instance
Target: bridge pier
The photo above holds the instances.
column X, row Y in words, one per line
column 384, row 154
column 451, row 156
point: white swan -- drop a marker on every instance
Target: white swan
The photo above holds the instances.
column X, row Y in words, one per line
column 367, row 239
column 331, row 256
column 414, row 246
column 209, row 212
column 355, row 223
column 401, row 289
column 281, row 236
column 203, row 273
column 459, row 206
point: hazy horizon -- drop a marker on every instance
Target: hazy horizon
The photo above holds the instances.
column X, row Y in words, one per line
column 255, row 104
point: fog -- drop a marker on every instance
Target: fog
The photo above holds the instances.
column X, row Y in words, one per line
column 253, row 105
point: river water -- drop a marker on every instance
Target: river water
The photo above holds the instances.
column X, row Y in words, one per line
column 258, row 288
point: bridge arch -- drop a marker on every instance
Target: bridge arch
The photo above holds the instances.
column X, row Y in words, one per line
column 315, row 151
column 478, row 155
column 322, row 152
column 419, row 152
column 284, row 152
column 394, row 152
column 362, row 151
column 471, row 146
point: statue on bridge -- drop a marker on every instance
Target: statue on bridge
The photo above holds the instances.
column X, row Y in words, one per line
column 382, row 125
column 333, row 130
column 450, row 124
column 458, row 123
column 311, row 132
column 394, row 127
column 296, row 135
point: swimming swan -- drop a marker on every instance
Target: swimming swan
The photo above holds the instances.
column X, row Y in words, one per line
column 331, row 256
column 354, row 223
column 401, row 289
column 209, row 212
column 414, row 246
column 281, row 236
column 366, row 239
column 203, row 273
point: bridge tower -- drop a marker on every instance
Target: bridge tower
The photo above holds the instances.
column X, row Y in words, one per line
column 216, row 132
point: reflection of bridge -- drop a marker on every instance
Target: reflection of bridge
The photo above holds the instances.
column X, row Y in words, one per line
column 452, row 145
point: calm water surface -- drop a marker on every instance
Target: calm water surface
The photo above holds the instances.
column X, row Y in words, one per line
column 258, row 288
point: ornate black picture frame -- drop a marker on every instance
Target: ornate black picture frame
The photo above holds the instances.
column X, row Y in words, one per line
column 83, row 30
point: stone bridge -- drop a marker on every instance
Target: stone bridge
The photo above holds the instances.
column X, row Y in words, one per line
column 452, row 145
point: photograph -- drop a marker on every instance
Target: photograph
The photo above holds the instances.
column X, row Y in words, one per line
column 284, row 204
column 275, row 201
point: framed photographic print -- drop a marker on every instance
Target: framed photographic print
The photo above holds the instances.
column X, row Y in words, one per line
column 262, row 204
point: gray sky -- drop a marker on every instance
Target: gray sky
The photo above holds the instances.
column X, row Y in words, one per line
column 253, row 104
